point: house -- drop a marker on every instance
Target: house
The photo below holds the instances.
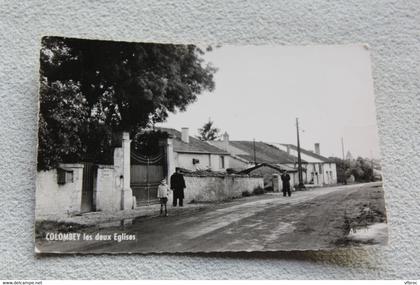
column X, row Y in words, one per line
column 178, row 149
column 270, row 173
column 193, row 154
column 133, row 178
column 319, row 169
column 258, row 158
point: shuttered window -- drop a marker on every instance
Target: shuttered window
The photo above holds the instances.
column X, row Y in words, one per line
column 64, row 176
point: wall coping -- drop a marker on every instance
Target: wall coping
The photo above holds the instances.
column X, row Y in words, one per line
column 105, row 166
column 70, row 165
column 220, row 175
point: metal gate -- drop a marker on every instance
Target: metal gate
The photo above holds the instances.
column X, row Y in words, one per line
column 146, row 174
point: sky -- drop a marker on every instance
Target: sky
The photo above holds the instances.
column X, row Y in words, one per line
column 261, row 90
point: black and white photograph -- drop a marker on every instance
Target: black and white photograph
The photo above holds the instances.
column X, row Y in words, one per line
column 167, row 148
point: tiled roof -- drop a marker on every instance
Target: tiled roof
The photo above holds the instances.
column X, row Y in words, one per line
column 265, row 153
column 277, row 167
column 309, row 153
column 194, row 145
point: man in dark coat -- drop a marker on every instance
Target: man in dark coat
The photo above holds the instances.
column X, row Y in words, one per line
column 285, row 178
column 177, row 185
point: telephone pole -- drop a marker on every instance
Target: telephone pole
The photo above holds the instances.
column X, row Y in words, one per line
column 255, row 154
column 371, row 165
column 344, row 162
column 300, row 186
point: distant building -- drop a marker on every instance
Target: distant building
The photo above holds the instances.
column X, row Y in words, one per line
column 258, row 158
column 193, row 154
column 319, row 169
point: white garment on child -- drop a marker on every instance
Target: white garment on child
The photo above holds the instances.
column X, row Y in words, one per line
column 163, row 191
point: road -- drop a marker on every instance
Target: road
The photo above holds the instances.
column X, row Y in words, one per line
column 315, row 219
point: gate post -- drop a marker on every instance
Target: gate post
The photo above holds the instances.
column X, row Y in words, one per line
column 170, row 164
column 277, row 184
column 127, row 193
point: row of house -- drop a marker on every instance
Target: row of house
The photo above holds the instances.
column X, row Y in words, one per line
column 251, row 157
column 133, row 177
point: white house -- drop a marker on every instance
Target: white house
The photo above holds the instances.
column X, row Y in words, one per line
column 319, row 169
column 259, row 158
column 193, row 154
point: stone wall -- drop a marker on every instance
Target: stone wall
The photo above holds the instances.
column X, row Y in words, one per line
column 111, row 187
column 219, row 187
column 58, row 200
column 112, row 190
column 105, row 191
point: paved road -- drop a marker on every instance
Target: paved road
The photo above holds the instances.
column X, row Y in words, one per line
column 312, row 219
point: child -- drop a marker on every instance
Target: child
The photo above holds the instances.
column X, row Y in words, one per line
column 162, row 193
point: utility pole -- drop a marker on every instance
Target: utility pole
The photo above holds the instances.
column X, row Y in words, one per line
column 344, row 161
column 371, row 165
column 255, row 155
column 301, row 186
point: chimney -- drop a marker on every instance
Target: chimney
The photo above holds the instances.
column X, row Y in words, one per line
column 288, row 149
column 317, row 149
column 225, row 141
column 185, row 136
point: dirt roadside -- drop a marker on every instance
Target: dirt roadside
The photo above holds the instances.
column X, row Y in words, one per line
column 314, row 219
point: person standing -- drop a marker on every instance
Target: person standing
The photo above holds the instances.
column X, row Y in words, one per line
column 163, row 193
column 178, row 186
column 285, row 178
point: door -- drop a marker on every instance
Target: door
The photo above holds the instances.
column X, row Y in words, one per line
column 146, row 174
column 89, row 172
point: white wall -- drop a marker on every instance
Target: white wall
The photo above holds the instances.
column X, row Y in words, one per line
column 209, row 188
column 330, row 173
column 324, row 178
column 54, row 200
column 107, row 189
column 212, row 161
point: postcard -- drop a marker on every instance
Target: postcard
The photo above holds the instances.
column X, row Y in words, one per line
column 167, row 148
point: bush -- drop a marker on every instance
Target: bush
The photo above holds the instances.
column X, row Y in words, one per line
column 246, row 193
column 258, row 191
column 269, row 189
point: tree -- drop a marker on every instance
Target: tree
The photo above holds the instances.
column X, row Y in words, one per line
column 208, row 132
column 360, row 168
column 121, row 86
column 59, row 137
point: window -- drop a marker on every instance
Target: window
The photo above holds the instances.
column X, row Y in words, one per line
column 64, row 176
column 222, row 162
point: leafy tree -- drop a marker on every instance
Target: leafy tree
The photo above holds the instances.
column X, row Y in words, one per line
column 59, row 137
column 92, row 89
column 147, row 143
column 208, row 132
column 360, row 168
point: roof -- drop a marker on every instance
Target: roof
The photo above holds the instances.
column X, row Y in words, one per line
column 264, row 152
column 194, row 145
column 307, row 152
column 277, row 167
